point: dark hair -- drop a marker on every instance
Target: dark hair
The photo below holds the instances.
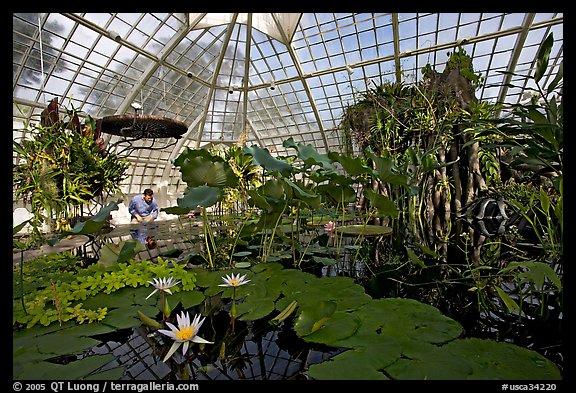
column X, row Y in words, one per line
column 148, row 191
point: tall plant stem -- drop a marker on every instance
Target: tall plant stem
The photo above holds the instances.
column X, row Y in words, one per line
column 233, row 308
column 206, row 235
column 22, row 280
column 163, row 306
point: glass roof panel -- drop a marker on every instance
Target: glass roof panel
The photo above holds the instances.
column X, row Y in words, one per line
column 290, row 74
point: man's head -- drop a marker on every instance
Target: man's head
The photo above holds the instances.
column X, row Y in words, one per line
column 148, row 195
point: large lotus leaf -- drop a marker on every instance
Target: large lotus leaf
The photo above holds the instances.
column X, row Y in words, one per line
column 129, row 250
column 125, row 250
column 421, row 361
column 337, row 194
column 368, row 339
column 386, row 170
column 273, row 288
column 214, row 174
column 339, row 282
column 321, row 176
column 312, row 200
column 353, row 366
column 198, row 167
column 203, row 196
column 310, row 155
column 325, row 261
column 263, row 158
column 312, row 319
column 500, row 360
column 385, row 205
column 347, row 297
column 93, row 224
column 274, row 191
column 253, row 308
column 434, row 327
column 175, row 210
column 354, row 166
column 258, row 200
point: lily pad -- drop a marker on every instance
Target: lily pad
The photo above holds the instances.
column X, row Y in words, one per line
column 254, row 308
column 421, row 361
column 351, row 365
column 500, row 360
column 363, row 230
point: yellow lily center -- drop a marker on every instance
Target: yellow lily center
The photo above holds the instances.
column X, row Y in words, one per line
column 186, row 333
column 234, row 282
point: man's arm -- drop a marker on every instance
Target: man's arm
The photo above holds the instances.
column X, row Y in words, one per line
column 132, row 207
column 132, row 210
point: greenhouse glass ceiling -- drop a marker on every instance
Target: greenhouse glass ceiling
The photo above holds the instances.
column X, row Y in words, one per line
column 258, row 77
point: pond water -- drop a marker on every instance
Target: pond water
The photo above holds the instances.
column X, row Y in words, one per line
column 257, row 351
column 260, row 351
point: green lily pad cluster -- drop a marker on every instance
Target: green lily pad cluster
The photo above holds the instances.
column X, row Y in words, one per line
column 381, row 339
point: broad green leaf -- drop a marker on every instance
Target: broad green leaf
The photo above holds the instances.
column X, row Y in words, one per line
column 543, row 57
column 310, row 155
column 384, row 204
column 492, row 360
column 93, row 224
column 313, row 318
column 203, row 196
column 263, row 158
column 508, row 301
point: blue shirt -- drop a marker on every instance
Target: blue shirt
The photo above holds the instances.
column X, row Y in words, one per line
column 139, row 206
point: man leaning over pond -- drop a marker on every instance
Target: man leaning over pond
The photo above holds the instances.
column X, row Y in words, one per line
column 143, row 207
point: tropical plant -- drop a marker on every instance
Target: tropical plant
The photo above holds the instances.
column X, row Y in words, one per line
column 63, row 167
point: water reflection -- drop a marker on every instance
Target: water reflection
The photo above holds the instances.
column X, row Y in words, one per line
column 257, row 351
column 145, row 233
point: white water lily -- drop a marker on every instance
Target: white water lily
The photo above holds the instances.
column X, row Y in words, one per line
column 184, row 333
column 164, row 284
column 234, row 281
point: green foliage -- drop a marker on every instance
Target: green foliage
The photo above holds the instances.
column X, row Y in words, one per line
column 402, row 338
column 533, row 135
column 55, row 287
column 60, row 167
column 460, row 60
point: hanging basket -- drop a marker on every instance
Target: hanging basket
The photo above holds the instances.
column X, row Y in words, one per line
column 143, row 126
